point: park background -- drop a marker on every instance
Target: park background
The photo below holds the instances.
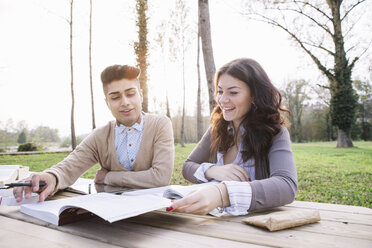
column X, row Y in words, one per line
column 35, row 81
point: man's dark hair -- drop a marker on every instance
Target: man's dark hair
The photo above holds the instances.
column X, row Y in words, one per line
column 118, row 72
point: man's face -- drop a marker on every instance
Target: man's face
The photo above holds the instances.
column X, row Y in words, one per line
column 124, row 99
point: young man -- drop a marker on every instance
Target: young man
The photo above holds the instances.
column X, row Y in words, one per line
column 136, row 150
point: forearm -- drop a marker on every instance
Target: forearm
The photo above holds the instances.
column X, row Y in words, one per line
column 73, row 166
column 188, row 170
column 198, row 156
column 150, row 178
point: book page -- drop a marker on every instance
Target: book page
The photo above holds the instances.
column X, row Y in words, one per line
column 170, row 191
column 109, row 207
column 159, row 191
column 7, row 198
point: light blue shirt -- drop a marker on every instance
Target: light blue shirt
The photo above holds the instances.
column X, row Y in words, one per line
column 240, row 193
column 127, row 142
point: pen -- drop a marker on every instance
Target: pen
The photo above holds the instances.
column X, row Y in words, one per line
column 29, row 184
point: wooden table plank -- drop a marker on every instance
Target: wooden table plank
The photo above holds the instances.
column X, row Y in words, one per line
column 331, row 207
column 15, row 233
column 341, row 226
column 128, row 234
column 346, row 217
column 213, row 227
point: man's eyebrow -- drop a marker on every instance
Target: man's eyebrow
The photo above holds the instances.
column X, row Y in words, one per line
column 118, row 92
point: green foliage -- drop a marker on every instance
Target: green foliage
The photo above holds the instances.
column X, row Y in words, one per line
column 295, row 95
column 67, row 141
column 343, row 104
column 27, row 147
column 325, row 173
column 44, row 134
column 12, row 134
column 22, row 137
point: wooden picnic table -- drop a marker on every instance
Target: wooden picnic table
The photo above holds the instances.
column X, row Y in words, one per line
column 340, row 226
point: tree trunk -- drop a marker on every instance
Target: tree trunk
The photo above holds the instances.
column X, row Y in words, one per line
column 167, row 103
column 343, row 101
column 344, row 139
column 141, row 49
column 199, row 124
column 90, row 66
column 205, row 33
column 73, row 136
column 182, row 138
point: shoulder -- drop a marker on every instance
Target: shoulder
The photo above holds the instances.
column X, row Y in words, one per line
column 283, row 133
column 106, row 129
column 101, row 133
column 156, row 120
column 282, row 137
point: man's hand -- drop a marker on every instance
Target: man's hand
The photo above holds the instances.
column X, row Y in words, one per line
column 100, row 176
column 228, row 172
column 44, row 192
column 202, row 200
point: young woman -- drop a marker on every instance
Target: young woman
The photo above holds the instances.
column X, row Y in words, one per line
column 247, row 148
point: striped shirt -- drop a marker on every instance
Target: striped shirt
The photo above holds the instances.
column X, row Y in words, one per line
column 240, row 193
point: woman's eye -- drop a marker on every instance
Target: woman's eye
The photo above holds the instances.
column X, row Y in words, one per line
column 233, row 93
column 219, row 92
column 115, row 98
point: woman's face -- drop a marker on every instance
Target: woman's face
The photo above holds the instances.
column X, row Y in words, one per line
column 234, row 98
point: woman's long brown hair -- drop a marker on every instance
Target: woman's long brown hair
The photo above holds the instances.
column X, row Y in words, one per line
column 260, row 126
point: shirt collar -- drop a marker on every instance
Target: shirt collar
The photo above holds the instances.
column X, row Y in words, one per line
column 137, row 126
column 230, row 129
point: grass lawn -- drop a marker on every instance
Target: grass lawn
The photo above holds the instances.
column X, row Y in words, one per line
column 325, row 173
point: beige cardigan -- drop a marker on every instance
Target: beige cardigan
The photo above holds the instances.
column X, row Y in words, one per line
column 152, row 168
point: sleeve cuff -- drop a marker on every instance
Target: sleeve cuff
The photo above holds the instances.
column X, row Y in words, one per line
column 240, row 196
column 57, row 181
column 200, row 172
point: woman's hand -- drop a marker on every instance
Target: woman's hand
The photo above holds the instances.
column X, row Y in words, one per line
column 227, row 172
column 202, row 200
column 44, row 192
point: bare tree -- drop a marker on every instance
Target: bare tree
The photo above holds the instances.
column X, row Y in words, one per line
column 205, row 33
column 73, row 136
column 141, row 49
column 322, row 29
column 161, row 40
column 90, row 65
column 295, row 95
column 199, row 118
column 179, row 44
column 167, row 106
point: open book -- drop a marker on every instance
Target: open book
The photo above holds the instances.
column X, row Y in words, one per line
column 110, row 207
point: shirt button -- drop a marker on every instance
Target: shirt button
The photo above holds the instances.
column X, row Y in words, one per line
column 130, row 144
column 131, row 160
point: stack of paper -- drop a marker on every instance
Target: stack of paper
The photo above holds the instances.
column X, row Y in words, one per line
column 12, row 173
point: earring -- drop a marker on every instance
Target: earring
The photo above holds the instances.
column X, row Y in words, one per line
column 254, row 107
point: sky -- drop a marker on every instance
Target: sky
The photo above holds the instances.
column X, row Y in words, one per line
column 35, row 70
